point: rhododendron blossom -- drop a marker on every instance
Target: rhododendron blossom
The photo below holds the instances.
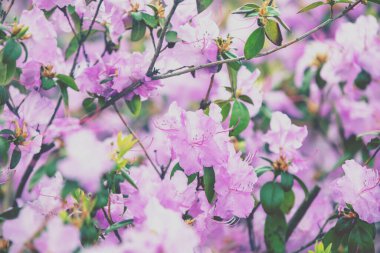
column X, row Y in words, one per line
column 193, row 126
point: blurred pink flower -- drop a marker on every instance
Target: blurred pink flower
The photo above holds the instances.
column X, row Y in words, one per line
column 359, row 187
column 87, row 159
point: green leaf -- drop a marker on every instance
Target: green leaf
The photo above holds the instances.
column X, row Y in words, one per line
column 64, row 93
column 274, row 233
column 228, row 55
column 89, row 105
column 272, row 12
column 282, row 23
column 118, row 225
column 16, row 156
column 10, row 214
column 273, row 32
column 311, row 6
column 176, row 168
column 239, row 118
column 226, row 108
column 4, row 148
column 246, row 99
column 4, row 95
column 7, row 71
column 68, row 188
column 373, row 144
column 271, row 197
column 302, row 184
column 7, row 132
column 203, row 5
column 47, row 83
column 332, row 238
column 209, row 183
column 138, row 30
column 150, row 20
column 363, row 79
column 12, row 51
column 171, row 37
column 344, row 225
column 129, row 179
column 288, row 202
column 286, row 181
column 232, row 73
column 375, row 1
column 247, row 8
column 134, row 105
column 71, row 48
column 261, row 170
column 361, row 238
column 255, row 43
column 67, row 81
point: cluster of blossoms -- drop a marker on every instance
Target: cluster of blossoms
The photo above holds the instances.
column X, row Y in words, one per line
column 136, row 126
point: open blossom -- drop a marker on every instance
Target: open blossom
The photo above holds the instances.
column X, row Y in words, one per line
column 161, row 232
column 24, row 228
column 197, row 140
column 52, row 239
column 197, row 44
column 360, row 187
column 87, row 159
column 284, row 136
column 234, row 187
column 43, row 40
column 109, row 77
column 284, row 139
column 357, row 47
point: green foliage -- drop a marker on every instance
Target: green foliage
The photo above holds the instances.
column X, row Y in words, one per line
column 118, row 225
column 312, row 6
column 239, row 118
column 209, row 183
column 288, row 203
column 320, row 248
column 274, row 232
column 67, row 81
column 353, row 233
column 16, row 157
column 273, row 32
column 255, row 43
column 203, row 5
column 363, row 79
column 138, row 26
column 271, row 196
column 286, row 181
column 11, row 52
column 134, row 105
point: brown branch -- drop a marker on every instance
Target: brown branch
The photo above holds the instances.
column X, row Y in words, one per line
column 216, row 63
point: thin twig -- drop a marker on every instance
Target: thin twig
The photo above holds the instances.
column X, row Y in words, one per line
column 137, row 138
column 7, row 12
column 116, row 232
column 162, row 37
column 305, row 35
column 319, row 236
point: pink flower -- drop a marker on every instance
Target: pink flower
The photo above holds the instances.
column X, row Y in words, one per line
column 283, row 136
column 161, row 232
column 234, row 186
column 87, row 159
column 197, row 140
column 23, row 228
column 50, row 4
column 51, row 240
column 360, row 188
